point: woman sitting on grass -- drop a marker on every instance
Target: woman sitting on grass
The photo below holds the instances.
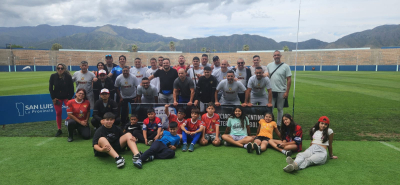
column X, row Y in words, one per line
column 237, row 129
column 292, row 136
column 78, row 115
column 322, row 138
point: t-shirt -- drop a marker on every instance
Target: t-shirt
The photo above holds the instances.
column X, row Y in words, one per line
column 174, row 118
column 253, row 70
column 236, row 126
column 210, row 122
column 138, row 73
column 296, row 137
column 78, row 109
column 219, row 75
column 128, row 86
column 230, row 90
column 184, row 87
column 201, row 65
column 219, row 68
column 318, row 137
column 241, row 76
column 169, row 139
column 130, row 128
column 167, row 79
column 278, row 79
column 152, row 125
column 193, row 76
column 266, row 129
column 148, row 93
column 111, row 134
column 179, row 67
column 84, row 81
column 258, row 86
column 116, row 71
column 191, row 127
column 155, row 81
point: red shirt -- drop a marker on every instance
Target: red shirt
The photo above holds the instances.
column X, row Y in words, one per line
column 191, row 127
column 297, row 137
column 210, row 123
column 179, row 67
column 78, row 109
column 174, row 118
column 152, row 126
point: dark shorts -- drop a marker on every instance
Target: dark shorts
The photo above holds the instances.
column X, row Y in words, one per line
column 115, row 145
column 261, row 138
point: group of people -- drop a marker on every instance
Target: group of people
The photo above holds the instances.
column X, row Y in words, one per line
column 110, row 89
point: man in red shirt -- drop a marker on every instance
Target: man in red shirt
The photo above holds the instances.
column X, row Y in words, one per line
column 181, row 64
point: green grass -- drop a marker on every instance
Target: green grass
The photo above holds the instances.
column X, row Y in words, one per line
column 38, row 160
column 360, row 105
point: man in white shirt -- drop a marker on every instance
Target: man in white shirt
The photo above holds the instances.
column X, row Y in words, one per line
column 138, row 71
column 230, row 89
column 156, row 81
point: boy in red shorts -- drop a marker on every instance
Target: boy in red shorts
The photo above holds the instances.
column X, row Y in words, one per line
column 211, row 122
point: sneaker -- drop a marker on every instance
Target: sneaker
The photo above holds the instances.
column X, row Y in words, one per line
column 150, row 142
column 257, row 148
column 136, row 157
column 184, row 148
column 226, row 143
column 191, row 147
column 288, row 153
column 59, row 132
column 288, row 168
column 120, row 161
column 289, row 160
column 138, row 164
column 249, row 147
column 151, row 158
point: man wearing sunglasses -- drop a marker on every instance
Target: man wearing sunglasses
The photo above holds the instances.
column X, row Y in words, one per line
column 281, row 79
column 243, row 75
column 109, row 63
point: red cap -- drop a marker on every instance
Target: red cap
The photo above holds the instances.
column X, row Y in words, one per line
column 102, row 72
column 104, row 91
column 324, row 119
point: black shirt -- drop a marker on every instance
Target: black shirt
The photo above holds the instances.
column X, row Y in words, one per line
column 99, row 110
column 61, row 88
column 98, row 86
column 111, row 134
column 166, row 79
column 205, row 89
column 130, row 128
column 184, row 87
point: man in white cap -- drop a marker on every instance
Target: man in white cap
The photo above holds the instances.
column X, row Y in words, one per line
column 102, row 106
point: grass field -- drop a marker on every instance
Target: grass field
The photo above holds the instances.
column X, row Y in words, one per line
column 364, row 109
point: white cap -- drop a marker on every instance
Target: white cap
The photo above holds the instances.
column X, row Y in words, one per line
column 102, row 71
column 104, row 91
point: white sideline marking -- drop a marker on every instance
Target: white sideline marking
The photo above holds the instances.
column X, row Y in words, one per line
column 45, row 141
column 6, row 159
column 391, row 146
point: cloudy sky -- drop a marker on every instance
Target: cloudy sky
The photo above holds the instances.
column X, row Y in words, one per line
column 326, row 20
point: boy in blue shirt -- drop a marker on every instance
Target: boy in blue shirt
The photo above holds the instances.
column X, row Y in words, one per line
column 163, row 148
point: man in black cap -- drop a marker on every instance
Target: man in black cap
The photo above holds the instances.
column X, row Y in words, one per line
column 109, row 63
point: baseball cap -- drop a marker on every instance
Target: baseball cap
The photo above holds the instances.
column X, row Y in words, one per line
column 108, row 56
column 104, row 91
column 324, row 119
column 215, row 58
column 102, row 71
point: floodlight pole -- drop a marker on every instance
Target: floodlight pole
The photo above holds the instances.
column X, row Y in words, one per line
column 15, row 66
column 295, row 63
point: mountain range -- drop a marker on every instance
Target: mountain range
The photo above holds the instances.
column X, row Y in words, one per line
column 109, row 37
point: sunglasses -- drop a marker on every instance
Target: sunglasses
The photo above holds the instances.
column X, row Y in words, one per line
column 60, row 68
column 277, row 55
column 240, row 63
column 108, row 56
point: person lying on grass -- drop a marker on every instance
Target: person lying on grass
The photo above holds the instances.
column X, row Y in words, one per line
column 163, row 148
column 322, row 138
column 192, row 130
column 109, row 140
column 237, row 129
column 292, row 137
column 211, row 122
column 264, row 134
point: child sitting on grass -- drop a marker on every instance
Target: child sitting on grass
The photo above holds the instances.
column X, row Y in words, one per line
column 163, row 148
column 134, row 128
column 264, row 134
column 322, row 138
column 211, row 122
column 109, row 140
column 292, row 137
column 152, row 126
column 237, row 129
column 192, row 129
column 178, row 118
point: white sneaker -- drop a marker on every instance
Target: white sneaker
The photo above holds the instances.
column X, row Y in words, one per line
column 120, row 162
column 150, row 142
column 289, row 160
column 288, row 168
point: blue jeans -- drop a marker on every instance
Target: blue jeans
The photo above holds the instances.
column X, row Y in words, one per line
column 194, row 137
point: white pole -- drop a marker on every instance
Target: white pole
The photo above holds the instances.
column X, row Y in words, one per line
column 15, row 66
column 52, row 63
column 338, row 64
column 9, row 64
column 357, row 63
column 320, row 67
column 304, row 63
column 34, row 64
column 70, row 67
column 376, row 65
column 295, row 63
column 397, row 69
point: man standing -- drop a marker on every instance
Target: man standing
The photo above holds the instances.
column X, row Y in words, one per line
column 183, row 89
column 160, row 62
column 109, row 63
column 167, row 77
column 116, row 71
column 217, row 65
column 147, row 93
column 102, row 106
column 103, row 82
column 257, row 63
column 281, row 79
column 205, row 89
column 243, row 75
column 221, row 74
column 257, row 85
column 195, row 72
column 84, row 79
column 181, row 64
column 204, row 61
column 230, row 89
column 128, row 84
column 156, row 81
column 138, row 71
